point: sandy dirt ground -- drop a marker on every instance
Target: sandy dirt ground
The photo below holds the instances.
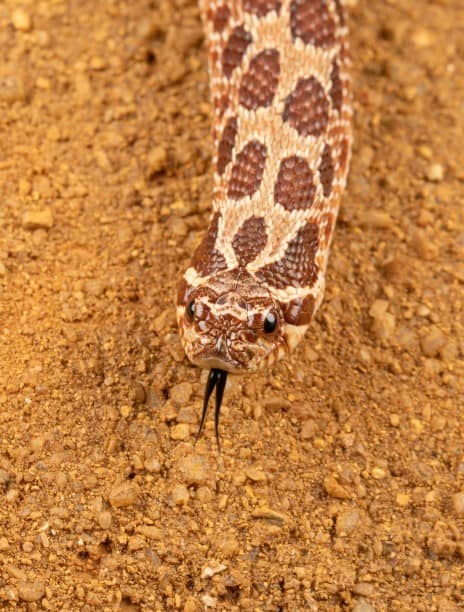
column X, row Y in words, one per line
column 341, row 481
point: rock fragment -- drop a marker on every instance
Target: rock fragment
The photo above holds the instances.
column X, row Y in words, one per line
column 335, row 489
column 38, row 219
column 194, row 469
column 458, row 503
column 432, row 342
column 31, row 591
column 21, row 20
column 123, row 494
column 180, row 495
column 157, row 160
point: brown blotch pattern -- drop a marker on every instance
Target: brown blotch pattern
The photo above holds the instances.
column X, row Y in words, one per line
column 183, row 290
column 259, row 84
column 340, row 12
column 226, row 145
column 235, row 49
column 336, row 90
column 260, row 8
column 307, row 108
column 221, row 102
column 294, row 188
column 221, row 18
column 326, row 171
column 299, row 311
column 298, row 267
column 250, row 240
column 247, row 172
column 311, row 21
column 206, row 259
column 344, row 151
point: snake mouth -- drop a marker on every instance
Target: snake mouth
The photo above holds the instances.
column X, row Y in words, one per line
column 219, row 362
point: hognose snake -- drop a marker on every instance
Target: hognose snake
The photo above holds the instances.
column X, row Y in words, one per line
column 282, row 134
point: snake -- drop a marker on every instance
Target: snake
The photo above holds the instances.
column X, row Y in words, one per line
column 282, row 116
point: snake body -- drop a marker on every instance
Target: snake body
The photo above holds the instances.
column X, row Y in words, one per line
column 282, row 133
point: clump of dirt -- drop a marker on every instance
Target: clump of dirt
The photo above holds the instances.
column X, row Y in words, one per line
column 341, row 480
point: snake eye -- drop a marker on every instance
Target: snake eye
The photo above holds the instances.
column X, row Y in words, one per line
column 191, row 310
column 270, row 322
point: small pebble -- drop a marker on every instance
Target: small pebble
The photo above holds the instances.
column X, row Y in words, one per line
column 21, row 20
column 376, row 218
column 256, row 474
column 136, row 542
column 362, row 606
column 208, row 601
column 274, row 516
column 383, row 324
column 378, row 473
column 432, row 342
column 190, row 605
column 151, row 464
column 412, row 566
column 4, row 545
column 104, row 519
column 150, row 531
column 403, row 499
column 157, row 160
column 213, row 568
column 364, row 588
column 423, row 38
column 188, row 415
column 435, row 173
column 195, row 469
column 124, row 494
column 347, row 522
column 228, row 545
column 335, row 489
column 180, row 495
column 37, row 219
column 458, row 503
column 180, row 432
column 309, row 429
column 31, row 591
column 180, row 394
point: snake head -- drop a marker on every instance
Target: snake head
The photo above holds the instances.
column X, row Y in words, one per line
column 230, row 323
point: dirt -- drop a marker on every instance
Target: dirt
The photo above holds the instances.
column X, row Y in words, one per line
column 341, row 480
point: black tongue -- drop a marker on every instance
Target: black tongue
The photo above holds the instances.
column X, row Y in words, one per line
column 217, row 379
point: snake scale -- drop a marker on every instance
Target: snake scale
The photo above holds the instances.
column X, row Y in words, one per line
column 282, row 133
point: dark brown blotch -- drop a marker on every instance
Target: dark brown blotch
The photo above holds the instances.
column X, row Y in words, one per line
column 298, row 267
column 207, row 259
column 336, row 90
column 307, row 108
column 259, row 84
column 226, row 145
column 340, row 12
column 260, row 8
column 326, row 171
column 247, row 172
column 299, row 311
column 250, row 240
column 294, row 188
column 221, row 18
column 311, row 21
column 183, row 291
column 344, row 154
column 234, row 50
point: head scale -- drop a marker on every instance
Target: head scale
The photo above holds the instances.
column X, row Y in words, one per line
column 232, row 323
